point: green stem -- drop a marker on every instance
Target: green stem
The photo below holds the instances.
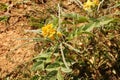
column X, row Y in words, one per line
column 63, row 57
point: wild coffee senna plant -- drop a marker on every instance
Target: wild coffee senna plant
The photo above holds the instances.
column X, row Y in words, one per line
column 58, row 58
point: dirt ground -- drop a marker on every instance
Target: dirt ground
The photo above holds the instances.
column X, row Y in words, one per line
column 9, row 41
column 9, row 56
column 13, row 51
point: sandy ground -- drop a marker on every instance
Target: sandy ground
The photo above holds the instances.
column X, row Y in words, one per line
column 13, row 52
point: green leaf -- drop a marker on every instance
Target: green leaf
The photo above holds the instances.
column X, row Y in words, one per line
column 69, row 15
column 54, row 66
column 36, row 77
column 89, row 27
column 51, row 75
column 38, row 65
column 63, row 69
column 48, row 60
column 100, row 22
column 104, row 22
column 59, row 75
column 54, row 21
column 44, row 55
column 81, row 19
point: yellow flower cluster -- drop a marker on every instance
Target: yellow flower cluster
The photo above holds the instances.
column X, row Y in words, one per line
column 49, row 32
column 89, row 4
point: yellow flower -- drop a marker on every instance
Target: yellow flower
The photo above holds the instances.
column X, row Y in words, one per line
column 89, row 4
column 96, row 2
column 49, row 32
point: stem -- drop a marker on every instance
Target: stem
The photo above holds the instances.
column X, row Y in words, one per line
column 71, row 47
column 100, row 5
column 63, row 57
column 59, row 23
